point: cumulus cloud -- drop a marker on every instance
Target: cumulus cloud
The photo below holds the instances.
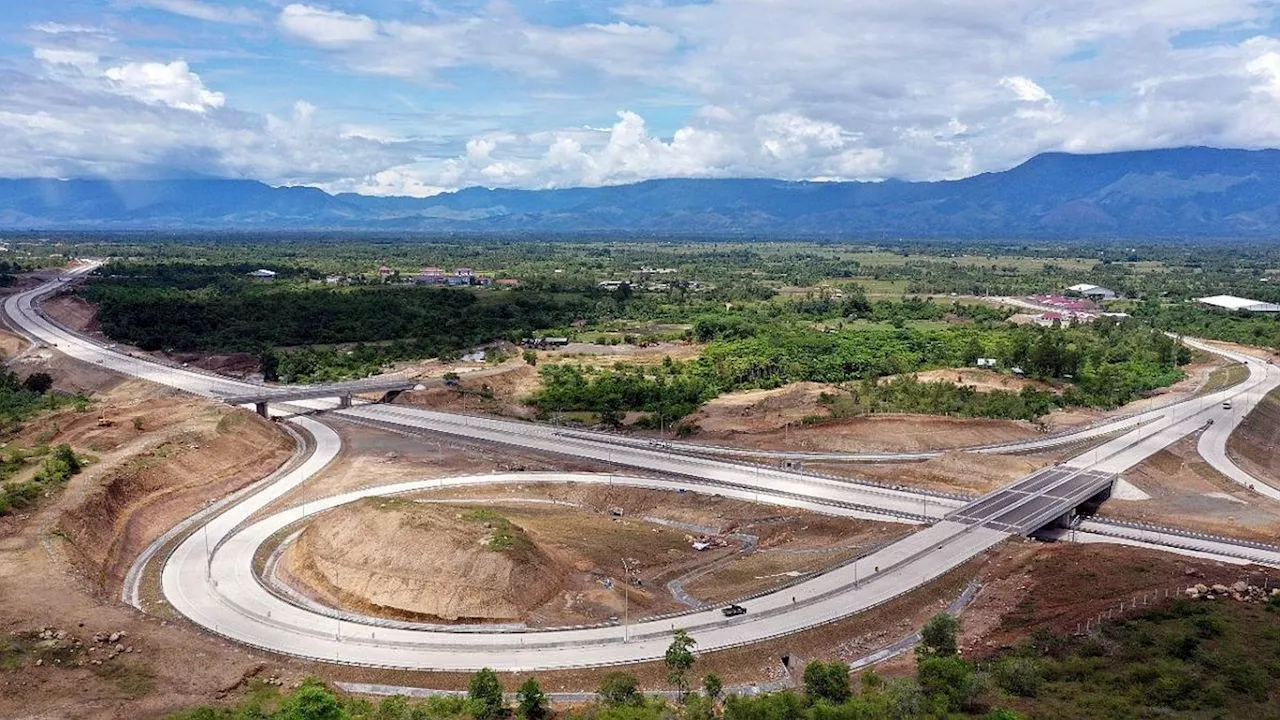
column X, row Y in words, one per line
column 171, row 84
column 823, row 89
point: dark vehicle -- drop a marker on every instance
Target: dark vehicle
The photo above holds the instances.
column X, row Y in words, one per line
column 734, row 610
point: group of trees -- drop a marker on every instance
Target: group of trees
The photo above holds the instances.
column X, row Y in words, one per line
column 59, row 464
column 1104, row 364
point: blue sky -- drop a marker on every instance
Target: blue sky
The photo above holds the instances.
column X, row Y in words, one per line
column 422, row 96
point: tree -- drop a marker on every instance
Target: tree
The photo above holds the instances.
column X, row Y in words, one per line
column 827, row 681
column 67, row 457
column 39, row 383
column 679, row 660
column 531, row 702
column 713, row 686
column 947, row 681
column 312, row 701
column 530, row 356
column 485, row 694
column 619, row 688
column 1020, row 676
column 269, row 365
column 939, row 637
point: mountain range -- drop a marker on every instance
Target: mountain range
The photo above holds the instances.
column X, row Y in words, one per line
column 1172, row 193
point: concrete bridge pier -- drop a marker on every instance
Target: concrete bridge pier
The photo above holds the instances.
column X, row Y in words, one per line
column 391, row 395
column 261, row 408
column 344, row 401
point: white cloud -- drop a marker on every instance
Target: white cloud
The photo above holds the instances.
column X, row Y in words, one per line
column 331, row 28
column 1026, row 89
column 202, row 10
column 56, row 28
column 797, row 89
column 74, row 58
column 171, row 84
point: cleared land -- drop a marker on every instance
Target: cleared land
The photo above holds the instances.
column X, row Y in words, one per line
column 545, row 560
column 1187, row 492
column 1253, row 444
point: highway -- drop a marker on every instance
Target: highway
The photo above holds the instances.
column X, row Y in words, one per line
column 209, row 576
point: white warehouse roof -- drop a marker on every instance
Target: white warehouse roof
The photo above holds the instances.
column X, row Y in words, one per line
column 1231, row 302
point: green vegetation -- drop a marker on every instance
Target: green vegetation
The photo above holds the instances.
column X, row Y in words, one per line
column 679, row 660
column 58, row 466
column 1261, row 329
column 771, row 312
column 218, row 309
column 1188, row 659
column 1105, row 364
column 485, row 695
column 19, row 401
column 503, row 534
column 531, row 702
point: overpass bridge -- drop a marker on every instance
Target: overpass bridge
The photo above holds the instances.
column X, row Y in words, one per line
column 1038, row 500
column 389, row 389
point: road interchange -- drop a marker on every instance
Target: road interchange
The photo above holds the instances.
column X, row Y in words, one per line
column 209, row 575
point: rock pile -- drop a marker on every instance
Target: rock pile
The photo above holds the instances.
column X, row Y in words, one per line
column 52, row 646
column 1239, row 591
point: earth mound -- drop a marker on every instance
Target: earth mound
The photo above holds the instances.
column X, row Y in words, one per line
column 423, row 562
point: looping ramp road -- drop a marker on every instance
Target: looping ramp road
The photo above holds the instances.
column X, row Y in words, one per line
column 209, row 576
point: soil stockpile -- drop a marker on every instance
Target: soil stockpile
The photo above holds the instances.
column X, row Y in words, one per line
column 424, row 562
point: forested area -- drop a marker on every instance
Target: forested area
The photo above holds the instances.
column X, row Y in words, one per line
column 178, row 308
column 1260, row 329
column 1105, row 364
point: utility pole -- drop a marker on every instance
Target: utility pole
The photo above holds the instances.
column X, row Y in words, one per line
column 626, row 600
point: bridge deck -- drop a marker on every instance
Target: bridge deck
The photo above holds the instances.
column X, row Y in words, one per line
column 1034, row 501
column 286, row 394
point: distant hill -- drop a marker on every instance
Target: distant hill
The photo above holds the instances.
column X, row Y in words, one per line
column 1182, row 192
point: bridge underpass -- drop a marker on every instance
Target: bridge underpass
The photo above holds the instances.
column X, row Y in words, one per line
column 389, row 389
column 1038, row 500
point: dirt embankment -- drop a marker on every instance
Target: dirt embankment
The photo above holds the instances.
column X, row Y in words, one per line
column 1055, row 587
column 1187, row 492
column 426, row 562
column 495, row 390
column 1253, row 444
column 197, row 454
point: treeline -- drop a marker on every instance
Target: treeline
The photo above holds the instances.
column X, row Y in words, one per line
column 910, row 395
column 1186, row 659
column 1260, row 329
column 250, row 318
column 1105, row 364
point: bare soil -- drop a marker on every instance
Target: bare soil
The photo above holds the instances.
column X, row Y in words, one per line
column 981, row 380
column 954, row 471
column 1188, row 493
column 438, row 567
column 1057, row 586
column 74, row 312
column 1253, row 443
column 60, row 562
column 428, row 562
column 493, row 390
